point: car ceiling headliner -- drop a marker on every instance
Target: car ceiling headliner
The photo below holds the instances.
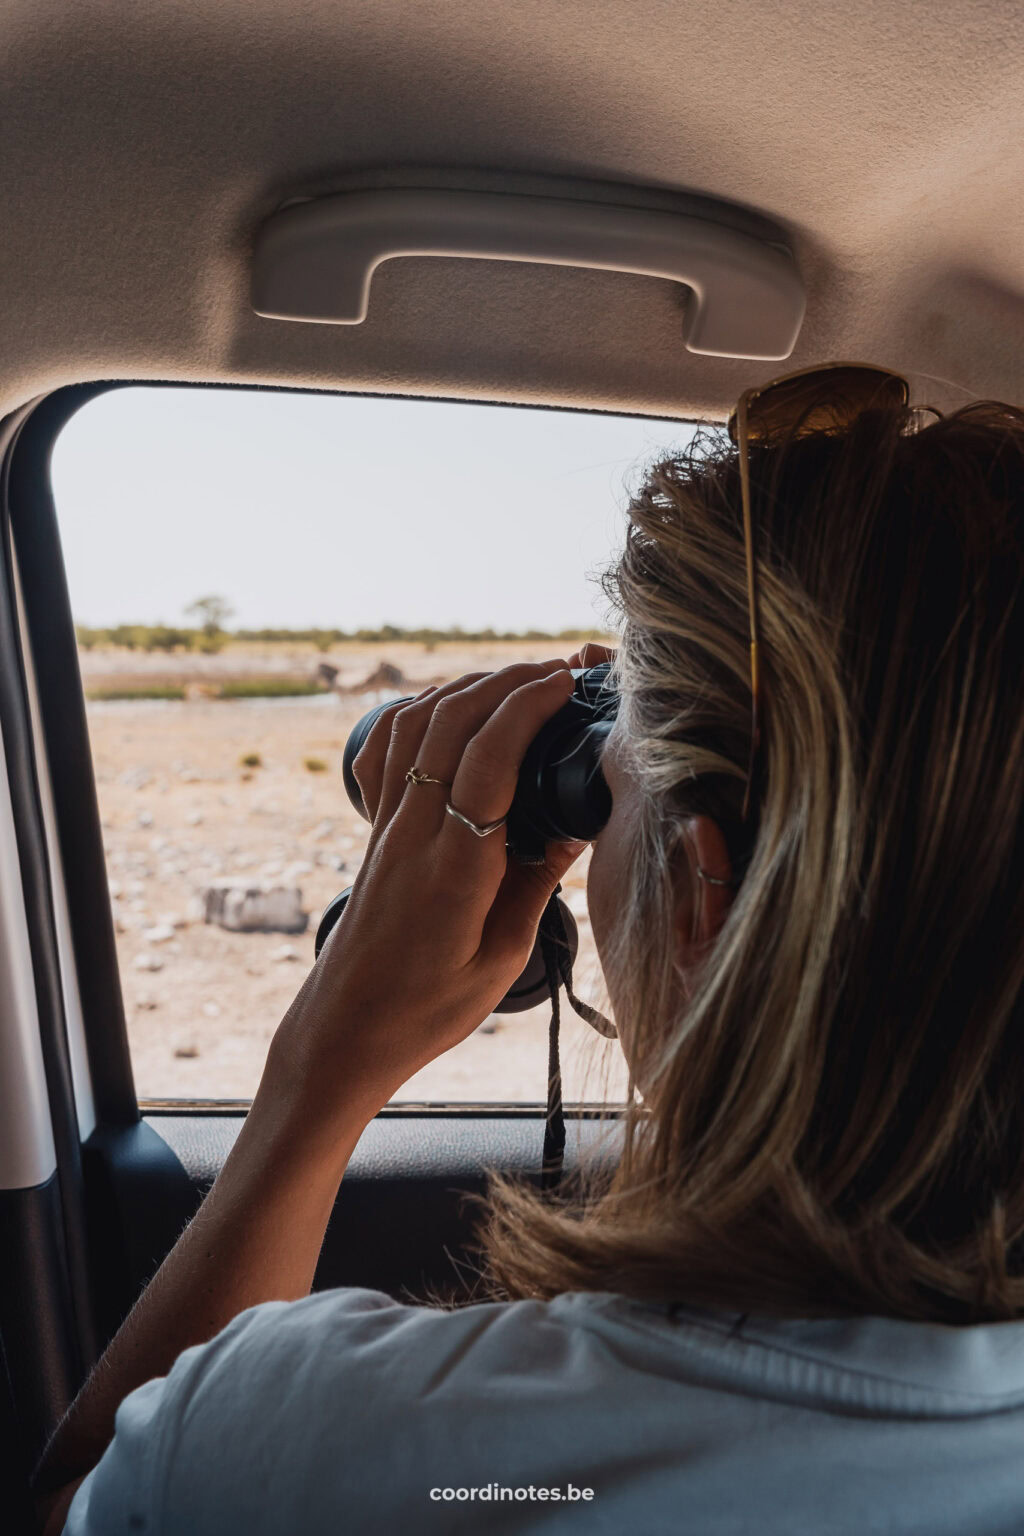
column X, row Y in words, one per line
column 143, row 144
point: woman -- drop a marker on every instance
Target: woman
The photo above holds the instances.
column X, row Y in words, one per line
column 798, row 1303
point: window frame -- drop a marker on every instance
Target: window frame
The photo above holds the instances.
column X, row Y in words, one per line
column 49, row 624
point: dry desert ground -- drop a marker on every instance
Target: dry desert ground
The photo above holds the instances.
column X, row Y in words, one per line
column 179, row 811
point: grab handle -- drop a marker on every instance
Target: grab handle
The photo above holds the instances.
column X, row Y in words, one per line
column 314, row 260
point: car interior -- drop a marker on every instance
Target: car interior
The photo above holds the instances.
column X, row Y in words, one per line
column 586, row 207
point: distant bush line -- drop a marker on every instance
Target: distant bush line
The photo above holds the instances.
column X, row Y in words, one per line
column 161, row 637
column 239, row 688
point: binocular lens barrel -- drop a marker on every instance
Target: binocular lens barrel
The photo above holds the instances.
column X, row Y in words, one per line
column 561, row 792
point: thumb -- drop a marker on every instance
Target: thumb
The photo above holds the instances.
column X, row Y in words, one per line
column 526, row 890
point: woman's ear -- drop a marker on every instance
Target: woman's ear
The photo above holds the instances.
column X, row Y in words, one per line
column 702, row 903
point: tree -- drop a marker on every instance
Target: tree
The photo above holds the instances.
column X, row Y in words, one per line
column 212, row 612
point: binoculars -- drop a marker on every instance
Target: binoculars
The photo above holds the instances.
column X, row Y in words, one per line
column 560, row 794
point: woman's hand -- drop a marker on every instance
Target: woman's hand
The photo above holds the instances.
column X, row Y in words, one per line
column 440, row 922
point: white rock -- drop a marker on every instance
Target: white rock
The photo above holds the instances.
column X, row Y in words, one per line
column 195, row 909
column 194, row 819
column 211, row 1010
column 144, row 819
column 172, row 920
column 272, row 870
column 135, row 888
column 159, row 934
column 147, row 1002
column 148, row 962
column 322, row 830
column 135, row 778
column 254, row 906
column 114, row 887
column 158, row 844
column 297, row 870
column 284, row 952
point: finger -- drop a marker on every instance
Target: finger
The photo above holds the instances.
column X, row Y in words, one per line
column 485, row 780
column 402, row 746
column 453, row 720
column 408, row 748
column 591, row 654
column 370, row 763
column 517, row 909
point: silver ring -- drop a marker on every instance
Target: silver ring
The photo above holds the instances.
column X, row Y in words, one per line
column 480, row 831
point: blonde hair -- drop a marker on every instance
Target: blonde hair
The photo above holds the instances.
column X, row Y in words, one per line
column 833, row 1122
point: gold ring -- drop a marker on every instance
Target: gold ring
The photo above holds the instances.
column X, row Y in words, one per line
column 415, row 777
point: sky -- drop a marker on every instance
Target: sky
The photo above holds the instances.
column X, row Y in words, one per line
column 344, row 512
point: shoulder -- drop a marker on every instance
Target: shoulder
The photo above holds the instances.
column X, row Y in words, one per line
column 393, row 1350
column 337, row 1375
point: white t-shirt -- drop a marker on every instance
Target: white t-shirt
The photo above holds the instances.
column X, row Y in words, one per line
column 348, row 1413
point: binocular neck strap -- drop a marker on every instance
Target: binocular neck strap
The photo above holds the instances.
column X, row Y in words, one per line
column 555, row 948
column 558, row 967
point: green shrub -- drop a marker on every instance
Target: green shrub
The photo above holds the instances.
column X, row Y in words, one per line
column 250, row 760
column 269, row 688
column 314, row 764
column 209, row 644
column 130, row 695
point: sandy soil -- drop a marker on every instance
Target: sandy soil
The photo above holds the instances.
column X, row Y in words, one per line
column 179, row 810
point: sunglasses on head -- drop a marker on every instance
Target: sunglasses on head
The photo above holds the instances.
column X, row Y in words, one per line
column 823, row 399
